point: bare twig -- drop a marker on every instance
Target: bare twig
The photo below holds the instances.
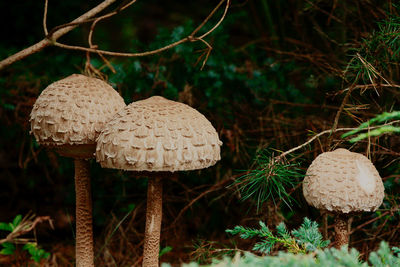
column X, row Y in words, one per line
column 104, row 17
column 27, row 224
column 46, row 3
column 364, row 87
column 338, row 113
column 219, row 22
column 54, row 36
column 369, row 222
column 284, row 154
column 190, row 38
column 215, row 187
column 121, row 54
column 89, row 68
column 208, row 17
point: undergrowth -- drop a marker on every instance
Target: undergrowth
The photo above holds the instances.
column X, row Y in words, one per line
column 332, row 257
column 305, row 239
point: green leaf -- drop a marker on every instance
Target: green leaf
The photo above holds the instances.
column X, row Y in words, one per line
column 37, row 254
column 17, row 220
column 165, row 250
column 8, row 248
column 5, row 227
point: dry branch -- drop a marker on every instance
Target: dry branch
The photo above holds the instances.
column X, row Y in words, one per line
column 47, row 41
column 57, row 32
column 330, row 131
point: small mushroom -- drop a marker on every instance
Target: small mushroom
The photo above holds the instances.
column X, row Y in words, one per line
column 68, row 116
column 343, row 182
column 158, row 136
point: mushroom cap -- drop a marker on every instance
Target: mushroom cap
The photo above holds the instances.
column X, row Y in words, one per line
column 343, row 181
column 70, row 113
column 157, row 134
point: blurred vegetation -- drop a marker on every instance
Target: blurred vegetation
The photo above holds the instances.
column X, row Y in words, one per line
column 332, row 257
column 278, row 73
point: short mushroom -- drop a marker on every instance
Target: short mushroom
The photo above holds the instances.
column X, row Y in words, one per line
column 343, row 182
column 68, row 117
column 158, row 136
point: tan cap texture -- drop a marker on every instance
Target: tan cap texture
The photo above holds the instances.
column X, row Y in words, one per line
column 343, row 181
column 157, row 134
column 73, row 111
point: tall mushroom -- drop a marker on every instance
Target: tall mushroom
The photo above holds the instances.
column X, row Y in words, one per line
column 343, row 182
column 159, row 136
column 68, row 117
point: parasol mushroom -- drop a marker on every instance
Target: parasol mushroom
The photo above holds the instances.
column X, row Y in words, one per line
column 68, row 117
column 158, row 136
column 343, row 182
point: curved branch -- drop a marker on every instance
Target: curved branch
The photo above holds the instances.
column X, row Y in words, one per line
column 329, row 131
column 51, row 38
column 119, row 54
column 46, row 3
column 57, row 34
column 190, row 38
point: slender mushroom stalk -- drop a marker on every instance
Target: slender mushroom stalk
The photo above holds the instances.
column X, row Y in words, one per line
column 341, row 231
column 159, row 136
column 84, row 231
column 67, row 117
column 153, row 222
column 342, row 182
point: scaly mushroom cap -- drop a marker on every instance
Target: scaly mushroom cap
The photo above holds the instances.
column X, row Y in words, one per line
column 343, row 181
column 70, row 113
column 157, row 134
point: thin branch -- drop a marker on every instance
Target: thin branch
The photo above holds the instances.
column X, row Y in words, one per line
column 284, row 154
column 57, row 34
column 371, row 221
column 219, row 22
column 27, row 224
column 338, row 113
column 119, row 54
column 88, row 66
column 189, row 38
column 207, row 52
column 53, row 35
column 104, row 17
column 208, row 17
column 215, row 187
column 46, row 3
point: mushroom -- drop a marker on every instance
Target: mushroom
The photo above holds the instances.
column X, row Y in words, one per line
column 343, row 182
column 158, row 136
column 68, row 117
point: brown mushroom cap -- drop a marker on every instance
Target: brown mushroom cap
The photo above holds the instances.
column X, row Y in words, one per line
column 157, row 134
column 71, row 112
column 343, row 181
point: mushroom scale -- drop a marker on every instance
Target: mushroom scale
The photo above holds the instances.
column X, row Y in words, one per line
column 72, row 111
column 343, row 181
column 157, row 134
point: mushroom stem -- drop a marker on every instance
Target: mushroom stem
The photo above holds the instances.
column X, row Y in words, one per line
column 341, row 231
column 84, row 230
column 153, row 222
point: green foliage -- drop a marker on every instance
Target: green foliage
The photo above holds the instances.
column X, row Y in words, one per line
column 305, row 239
column 328, row 258
column 11, row 226
column 378, row 54
column 383, row 129
column 15, row 228
column 269, row 180
column 224, row 79
column 165, row 250
column 37, row 254
column 8, row 248
column 309, row 236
